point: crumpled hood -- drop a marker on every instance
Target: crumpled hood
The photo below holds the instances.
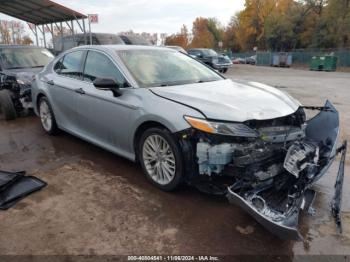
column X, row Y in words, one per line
column 232, row 101
column 25, row 74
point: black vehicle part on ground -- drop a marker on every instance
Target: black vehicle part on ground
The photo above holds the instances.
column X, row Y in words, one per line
column 276, row 204
column 7, row 178
column 16, row 186
column 337, row 199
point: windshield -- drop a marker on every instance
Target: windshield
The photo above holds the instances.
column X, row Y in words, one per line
column 105, row 39
column 152, row 68
column 135, row 40
column 209, row 52
column 177, row 48
column 16, row 58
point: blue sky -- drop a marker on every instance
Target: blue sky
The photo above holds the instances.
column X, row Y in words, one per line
column 161, row 16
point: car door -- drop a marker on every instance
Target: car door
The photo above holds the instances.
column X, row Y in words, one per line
column 64, row 88
column 104, row 118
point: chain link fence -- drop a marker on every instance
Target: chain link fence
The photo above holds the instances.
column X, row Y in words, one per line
column 299, row 57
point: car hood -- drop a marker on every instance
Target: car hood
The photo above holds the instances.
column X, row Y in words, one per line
column 221, row 58
column 232, row 101
column 25, row 74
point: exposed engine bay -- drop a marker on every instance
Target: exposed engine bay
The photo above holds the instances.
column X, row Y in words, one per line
column 20, row 89
column 270, row 175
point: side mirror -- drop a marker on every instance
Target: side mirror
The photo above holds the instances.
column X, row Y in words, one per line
column 107, row 84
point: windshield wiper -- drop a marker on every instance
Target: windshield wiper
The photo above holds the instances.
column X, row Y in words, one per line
column 15, row 67
column 205, row 81
column 185, row 82
column 22, row 67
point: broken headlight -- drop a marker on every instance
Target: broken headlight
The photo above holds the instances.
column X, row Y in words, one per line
column 221, row 128
column 21, row 82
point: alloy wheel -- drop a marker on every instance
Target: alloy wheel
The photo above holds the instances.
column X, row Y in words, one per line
column 45, row 115
column 159, row 159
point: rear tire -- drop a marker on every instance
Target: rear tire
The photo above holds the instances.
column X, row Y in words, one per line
column 161, row 159
column 48, row 121
column 6, row 105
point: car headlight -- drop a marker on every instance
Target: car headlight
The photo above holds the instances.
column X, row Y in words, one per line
column 21, row 82
column 215, row 60
column 221, row 128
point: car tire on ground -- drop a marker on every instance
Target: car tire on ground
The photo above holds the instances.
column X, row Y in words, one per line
column 7, row 107
column 47, row 118
column 224, row 70
column 160, row 158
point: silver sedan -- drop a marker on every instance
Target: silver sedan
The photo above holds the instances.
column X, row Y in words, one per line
column 184, row 122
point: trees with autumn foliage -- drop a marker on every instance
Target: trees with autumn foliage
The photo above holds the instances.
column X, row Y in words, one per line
column 10, row 34
column 179, row 39
column 274, row 25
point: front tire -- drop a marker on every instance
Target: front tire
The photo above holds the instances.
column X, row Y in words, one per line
column 6, row 105
column 161, row 159
column 47, row 118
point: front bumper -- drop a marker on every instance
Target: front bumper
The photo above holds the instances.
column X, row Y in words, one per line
column 323, row 128
column 222, row 66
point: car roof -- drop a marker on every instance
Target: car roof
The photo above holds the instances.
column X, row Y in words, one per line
column 123, row 47
column 200, row 49
column 87, row 35
column 20, row 46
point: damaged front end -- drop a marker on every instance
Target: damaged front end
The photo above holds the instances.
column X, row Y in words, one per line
column 20, row 87
column 269, row 174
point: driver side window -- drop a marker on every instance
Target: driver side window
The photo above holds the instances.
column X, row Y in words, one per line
column 98, row 65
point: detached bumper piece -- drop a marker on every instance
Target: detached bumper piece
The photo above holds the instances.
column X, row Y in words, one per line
column 282, row 225
column 276, row 203
column 16, row 186
column 337, row 199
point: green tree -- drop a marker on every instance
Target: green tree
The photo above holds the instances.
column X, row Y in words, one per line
column 229, row 35
column 215, row 28
column 278, row 32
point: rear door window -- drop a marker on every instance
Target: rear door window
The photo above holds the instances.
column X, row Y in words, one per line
column 70, row 66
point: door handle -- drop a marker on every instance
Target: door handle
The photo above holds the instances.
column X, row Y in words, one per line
column 79, row 91
column 50, row 82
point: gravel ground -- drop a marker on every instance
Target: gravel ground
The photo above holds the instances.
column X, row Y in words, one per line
column 99, row 203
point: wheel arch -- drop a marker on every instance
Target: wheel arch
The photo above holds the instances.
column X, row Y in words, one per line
column 142, row 128
column 38, row 97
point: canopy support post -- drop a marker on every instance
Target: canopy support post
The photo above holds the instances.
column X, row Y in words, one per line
column 84, row 31
column 44, row 35
column 36, row 35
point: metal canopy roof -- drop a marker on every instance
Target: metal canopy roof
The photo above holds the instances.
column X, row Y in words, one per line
column 39, row 12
